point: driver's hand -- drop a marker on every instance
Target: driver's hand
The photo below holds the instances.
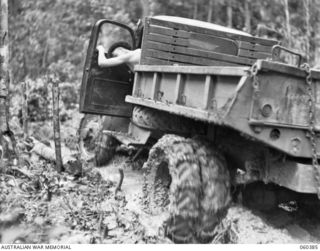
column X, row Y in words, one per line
column 101, row 49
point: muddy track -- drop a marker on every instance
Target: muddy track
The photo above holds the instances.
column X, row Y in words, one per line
column 241, row 225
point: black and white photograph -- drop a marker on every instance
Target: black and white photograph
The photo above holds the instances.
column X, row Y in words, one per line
column 159, row 122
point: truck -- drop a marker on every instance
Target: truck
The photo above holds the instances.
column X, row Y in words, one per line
column 218, row 108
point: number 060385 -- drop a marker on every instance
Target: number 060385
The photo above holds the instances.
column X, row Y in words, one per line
column 309, row 247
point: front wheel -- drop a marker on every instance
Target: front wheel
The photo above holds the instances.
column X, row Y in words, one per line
column 189, row 179
column 93, row 143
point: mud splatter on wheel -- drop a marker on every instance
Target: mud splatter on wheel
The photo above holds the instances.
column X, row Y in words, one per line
column 191, row 182
column 215, row 187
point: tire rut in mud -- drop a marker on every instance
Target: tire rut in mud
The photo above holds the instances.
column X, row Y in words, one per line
column 190, row 180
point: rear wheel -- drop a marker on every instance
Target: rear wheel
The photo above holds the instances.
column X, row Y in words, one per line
column 190, row 181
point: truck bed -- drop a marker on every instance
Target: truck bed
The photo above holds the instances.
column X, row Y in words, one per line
column 277, row 113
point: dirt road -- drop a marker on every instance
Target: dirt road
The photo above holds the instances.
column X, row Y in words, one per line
column 245, row 225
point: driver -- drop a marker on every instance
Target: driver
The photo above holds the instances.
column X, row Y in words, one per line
column 121, row 56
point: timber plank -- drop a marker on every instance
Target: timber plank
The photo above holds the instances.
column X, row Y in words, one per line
column 205, row 38
column 197, row 40
column 178, row 88
column 200, row 53
column 188, row 27
column 225, row 46
column 168, row 31
column 253, row 54
column 209, row 70
column 167, row 40
column 153, row 61
column 145, row 39
column 207, row 91
column 155, row 84
column 185, row 58
column 254, row 47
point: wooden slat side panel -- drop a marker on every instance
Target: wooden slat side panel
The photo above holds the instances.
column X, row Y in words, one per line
column 254, row 47
column 185, row 58
column 168, row 31
column 167, row 40
column 209, row 70
column 195, row 40
column 202, row 30
column 179, row 88
column 155, row 84
column 154, row 61
column 168, row 57
column 199, row 53
column 207, row 92
column 253, row 54
column 145, row 39
column 180, row 37
column 137, row 79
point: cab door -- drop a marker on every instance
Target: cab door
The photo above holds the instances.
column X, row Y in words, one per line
column 103, row 90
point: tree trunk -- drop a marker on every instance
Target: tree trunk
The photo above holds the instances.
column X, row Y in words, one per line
column 306, row 3
column 229, row 15
column 4, row 79
column 56, row 121
column 146, row 9
column 210, row 9
column 247, row 13
column 288, row 27
column 25, row 114
column 4, row 73
column 216, row 14
column 195, row 9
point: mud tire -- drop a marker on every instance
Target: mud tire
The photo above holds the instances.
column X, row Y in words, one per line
column 157, row 120
column 190, row 181
column 215, row 180
column 105, row 149
column 93, row 144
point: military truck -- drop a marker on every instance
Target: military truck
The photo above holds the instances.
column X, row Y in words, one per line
column 219, row 109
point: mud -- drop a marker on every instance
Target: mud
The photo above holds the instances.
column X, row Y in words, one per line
column 241, row 225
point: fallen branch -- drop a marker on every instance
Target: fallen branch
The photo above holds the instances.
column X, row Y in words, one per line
column 47, row 152
column 20, row 171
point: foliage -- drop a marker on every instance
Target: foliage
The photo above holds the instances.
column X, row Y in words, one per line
column 53, row 34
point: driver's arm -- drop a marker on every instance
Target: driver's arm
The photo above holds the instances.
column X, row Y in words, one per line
column 129, row 57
